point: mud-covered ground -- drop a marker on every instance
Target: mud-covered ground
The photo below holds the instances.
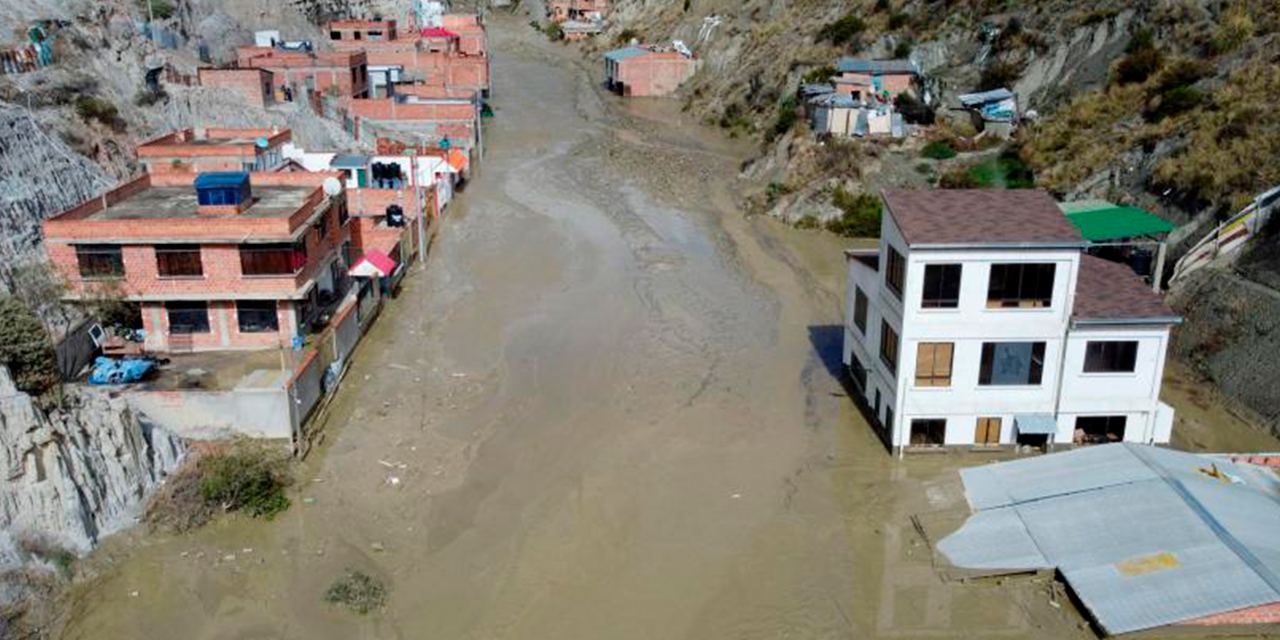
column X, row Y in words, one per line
column 608, row 408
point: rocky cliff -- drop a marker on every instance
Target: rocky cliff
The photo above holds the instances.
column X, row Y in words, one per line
column 74, row 475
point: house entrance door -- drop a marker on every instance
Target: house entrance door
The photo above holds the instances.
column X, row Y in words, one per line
column 988, row 433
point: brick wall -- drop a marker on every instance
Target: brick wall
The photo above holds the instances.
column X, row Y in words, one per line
column 254, row 85
column 656, row 74
column 224, row 328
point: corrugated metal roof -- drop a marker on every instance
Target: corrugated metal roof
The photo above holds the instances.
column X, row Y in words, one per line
column 982, row 97
column 349, row 161
column 1145, row 536
column 1115, row 223
column 859, row 65
column 618, row 55
column 1036, row 423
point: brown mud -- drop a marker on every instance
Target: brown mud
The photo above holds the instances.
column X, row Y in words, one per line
column 608, row 408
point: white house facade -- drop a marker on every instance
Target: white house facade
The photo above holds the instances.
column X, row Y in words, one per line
column 980, row 321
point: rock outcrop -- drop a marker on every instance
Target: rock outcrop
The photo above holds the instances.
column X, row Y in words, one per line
column 74, row 475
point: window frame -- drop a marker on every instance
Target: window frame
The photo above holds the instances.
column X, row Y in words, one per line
column 941, row 302
column 857, row 371
column 274, row 312
column 1035, row 368
column 297, row 259
column 890, row 347
column 930, row 426
column 895, row 271
column 197, row 328
column 1107, row 425
column 998, row 295
column 860, row 309
column 115, row 256
column 1107, row 351
column 931, row 379
column 169, row 251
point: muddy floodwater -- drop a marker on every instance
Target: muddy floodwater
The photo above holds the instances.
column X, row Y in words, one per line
column 609, row 407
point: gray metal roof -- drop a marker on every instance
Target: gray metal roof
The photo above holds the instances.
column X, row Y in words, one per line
column 981, row 97
column 1036, row 423
column 859, row 65
column 349, row 161
column 1144, row 536
column 617, row 55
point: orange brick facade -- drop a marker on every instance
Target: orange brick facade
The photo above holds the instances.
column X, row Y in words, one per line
column 213, row 149
column 254, row 85
column 657, row 73
column 221, row 281
column 339, row 73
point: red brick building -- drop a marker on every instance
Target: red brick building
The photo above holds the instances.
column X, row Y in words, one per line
column 647, row 70
column 217, row 261
column 437, row 56
column 432, row 119
column 583, row 10
column 208, row 149
column 342, row 73
column 256, row 86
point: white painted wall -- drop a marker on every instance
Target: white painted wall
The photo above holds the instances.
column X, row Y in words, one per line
column 1134, row 395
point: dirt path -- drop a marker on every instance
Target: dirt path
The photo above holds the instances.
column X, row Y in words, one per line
column 605, row 410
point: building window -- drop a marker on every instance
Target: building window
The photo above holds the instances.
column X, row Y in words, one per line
column 888, row 346
column 100, row 260
column 323, row 226
column 895, row 272
column 272, row 259
column 1020, row 286
column 356, row 35
column 860, row 310
column 188, row 317
column 1099, row 429
column 928, row 433
column 179, row 261
column 335, row 35
column 375, row 34
column 257, row 316
column 857, row 371
column 1011, row 363
column 941, row 286
column 1111, row 357
column 933, row 364
column 988, row 432
column 343, row 213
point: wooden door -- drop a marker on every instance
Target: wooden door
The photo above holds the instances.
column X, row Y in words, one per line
column 988, row 433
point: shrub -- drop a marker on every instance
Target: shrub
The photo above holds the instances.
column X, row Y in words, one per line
column 147, row 97
column 25, row 348
column 788, row 114
column 554, row 32
column 959, row 178
column 913, row 110
column 626, row 36
column 248, row 480
column 357, row 591
column 924, row 169
column 1235, row 29
column 1180, row 73
column 938, row 150
column 1142, row 59
column 860, row 214
column 903, row 49
column 997, row 75
column 821, row 74
column 882, row 5
column 810, row 221
column 842, row 31
column 92, row 108
column 1172, row 103
column 898, row 20
column 161, row 9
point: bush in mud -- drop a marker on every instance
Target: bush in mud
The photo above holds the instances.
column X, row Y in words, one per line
column 960, row 178
column 357, row 591
column 1142, row 59
column 243, row 477
column 788, row 114
column 913, row 110
column 998, row 75
column 860, row 214
column 1172, row 103
column 819, row 75
column 91, row 108
column 554, row 32
column 626, row 36
column 41, row 548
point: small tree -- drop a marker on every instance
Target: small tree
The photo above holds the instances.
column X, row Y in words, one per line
column 26, row 349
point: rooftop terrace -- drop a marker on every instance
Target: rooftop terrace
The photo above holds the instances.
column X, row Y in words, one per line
column 174, row 202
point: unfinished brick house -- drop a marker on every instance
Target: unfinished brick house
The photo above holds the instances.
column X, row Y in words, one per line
column 426, row 119
column 436, row 55
column 647, row 69
column 218, row 261
column 877, row 79
column 206, row 149
column 254, row 85
column 341, row 73
column 582, row 10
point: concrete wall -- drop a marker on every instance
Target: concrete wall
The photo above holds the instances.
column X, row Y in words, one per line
column 211, row 415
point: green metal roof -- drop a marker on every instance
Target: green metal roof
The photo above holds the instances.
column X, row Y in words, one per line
column 1098, row 220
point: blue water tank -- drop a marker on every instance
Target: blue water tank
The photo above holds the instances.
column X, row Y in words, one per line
column 223, row 188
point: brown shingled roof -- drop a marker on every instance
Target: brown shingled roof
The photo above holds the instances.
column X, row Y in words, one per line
column 980, row 217
column 1108, row 290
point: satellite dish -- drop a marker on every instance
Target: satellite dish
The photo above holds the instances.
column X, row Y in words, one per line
column 332, row 186
column 261, row 142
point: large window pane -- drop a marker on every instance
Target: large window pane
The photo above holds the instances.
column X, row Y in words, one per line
column 1111, row 357
column 889, row 346
column 257, row 316
column 188, row 317
column 271, row 259
column 100, row 260
column 860, row 310
column 928, row 433
column 941, row 286
column 180, row 260
column 895, row 272
column 1011, row 363
column 1099, row 429
column 1014, row 286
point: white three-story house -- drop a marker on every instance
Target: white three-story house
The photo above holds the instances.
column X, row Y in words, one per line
column 981, row 321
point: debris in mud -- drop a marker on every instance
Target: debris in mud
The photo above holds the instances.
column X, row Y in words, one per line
column 357, row 591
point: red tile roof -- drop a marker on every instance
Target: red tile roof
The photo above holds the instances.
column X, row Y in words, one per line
column 1108, row 290
column 980, row 217
column 437, row 32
